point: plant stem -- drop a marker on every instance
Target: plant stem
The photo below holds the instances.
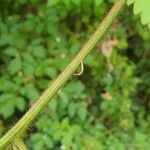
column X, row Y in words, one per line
column 24, row 122
column 18, row 144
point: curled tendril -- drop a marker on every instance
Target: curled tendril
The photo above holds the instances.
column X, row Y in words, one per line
column 81, row 71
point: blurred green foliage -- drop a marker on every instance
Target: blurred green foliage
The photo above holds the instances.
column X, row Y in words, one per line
column 107, row 107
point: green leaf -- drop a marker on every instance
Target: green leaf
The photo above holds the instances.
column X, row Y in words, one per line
column 82, row 111
column 27, row 57
column 37, row 140
column 129, row 2
column 72, row 109
column 42, row 83
column 14, row 66
column 63, row 99
column 28, row 69
column 142, row 7
column 29, row 91
column 38, row 51
column 20, row 103
column 50, row 72
column 53, row 105
column 76, row 2
column 7, row 105
column 7, row 110
column 52, row 2
column 98, row 2
column 8, row 86
column 48, row 142
column 11, row 51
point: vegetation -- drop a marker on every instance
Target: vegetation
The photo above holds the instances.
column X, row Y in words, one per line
column 106, row 107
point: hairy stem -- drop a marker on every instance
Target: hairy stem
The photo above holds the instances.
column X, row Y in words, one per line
column 24, row 122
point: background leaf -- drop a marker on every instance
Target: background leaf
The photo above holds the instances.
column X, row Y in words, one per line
column 141, row 7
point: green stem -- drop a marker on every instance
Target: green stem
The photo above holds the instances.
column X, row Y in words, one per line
column 24, row 122
column 18, row 144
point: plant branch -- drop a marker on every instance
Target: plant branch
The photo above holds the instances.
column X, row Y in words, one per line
column 18, row 144
column 24, row 122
